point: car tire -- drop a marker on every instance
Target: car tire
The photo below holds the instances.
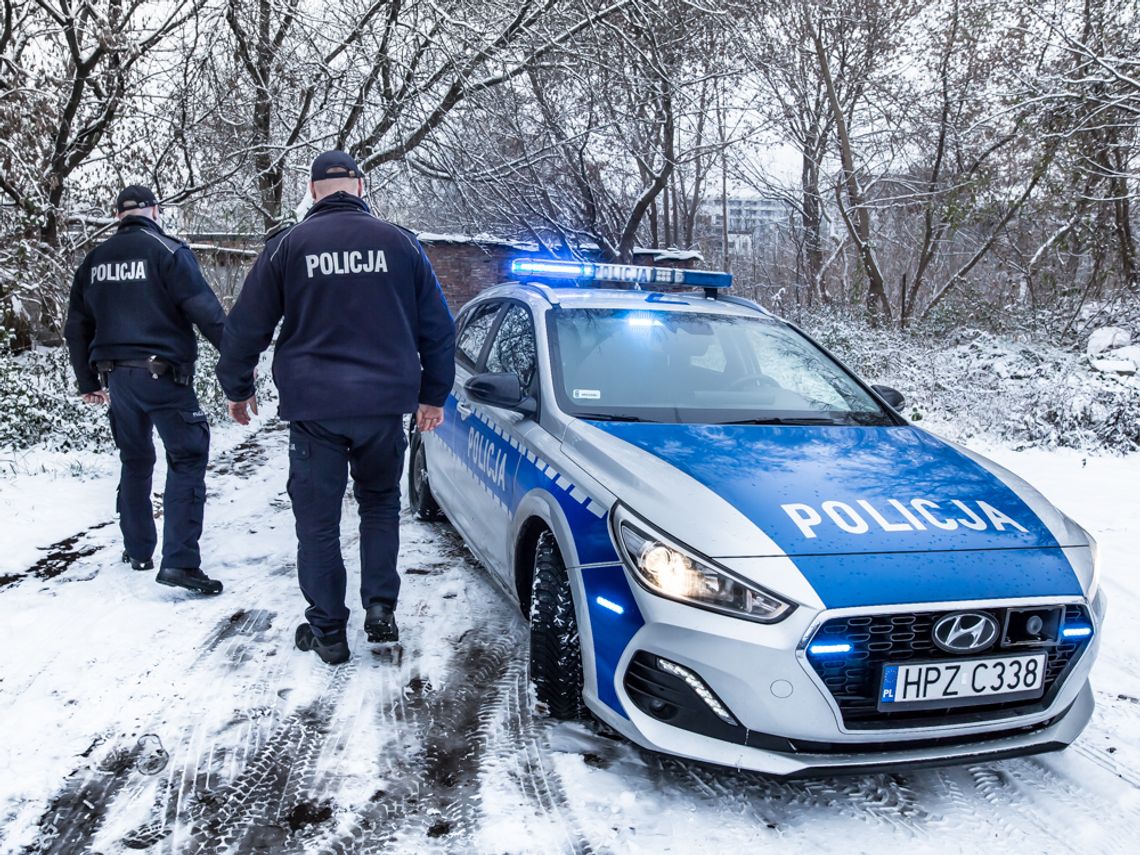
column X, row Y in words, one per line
column 555, row 649
column 420, row 498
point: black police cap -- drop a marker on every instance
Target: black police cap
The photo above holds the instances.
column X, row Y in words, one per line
column 134, row 197
column 334, row 164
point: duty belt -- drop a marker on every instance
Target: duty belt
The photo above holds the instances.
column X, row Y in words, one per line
column 157, row 367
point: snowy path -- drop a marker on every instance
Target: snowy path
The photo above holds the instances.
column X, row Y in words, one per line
column 133, row 717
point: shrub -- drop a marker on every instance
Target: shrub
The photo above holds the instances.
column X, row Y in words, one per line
column 40, row 405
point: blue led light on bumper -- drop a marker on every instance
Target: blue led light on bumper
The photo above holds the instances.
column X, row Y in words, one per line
column 829, row 648
column 1076, row 632
column 629, row 274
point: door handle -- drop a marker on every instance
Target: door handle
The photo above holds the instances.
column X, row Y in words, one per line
column 464, row 408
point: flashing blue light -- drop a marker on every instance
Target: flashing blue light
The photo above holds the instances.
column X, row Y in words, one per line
column 560, row 269
column 822, row 649
column 1076, row 632
column 631, row 274
column 643, row 321
column 610, row 604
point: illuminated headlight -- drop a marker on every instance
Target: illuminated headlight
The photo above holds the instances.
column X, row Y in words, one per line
column 671, row 572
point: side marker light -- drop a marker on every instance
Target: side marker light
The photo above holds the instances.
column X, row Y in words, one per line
column 610, row 604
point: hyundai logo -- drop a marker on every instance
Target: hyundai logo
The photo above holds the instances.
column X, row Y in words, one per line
column 965, row 632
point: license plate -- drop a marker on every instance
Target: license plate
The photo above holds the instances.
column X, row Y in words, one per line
column 962, row 682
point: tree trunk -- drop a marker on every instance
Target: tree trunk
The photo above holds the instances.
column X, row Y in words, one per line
column 878, row 309
column 812, row 222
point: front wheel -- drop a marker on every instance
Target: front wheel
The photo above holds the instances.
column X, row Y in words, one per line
column 420, row 499
column 555, row 649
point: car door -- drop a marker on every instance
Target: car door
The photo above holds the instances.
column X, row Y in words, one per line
column 447, row 447
column 512, row 349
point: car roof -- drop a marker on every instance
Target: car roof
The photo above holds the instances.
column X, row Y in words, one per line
column 589, row 297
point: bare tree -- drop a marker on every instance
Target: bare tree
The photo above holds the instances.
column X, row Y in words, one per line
column 599, row 139
column 68, row 72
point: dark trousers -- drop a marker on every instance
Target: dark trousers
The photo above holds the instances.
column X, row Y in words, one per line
column 321, row 454
column 140, row 403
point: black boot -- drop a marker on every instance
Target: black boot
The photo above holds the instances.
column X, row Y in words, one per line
column 331, row 647
column 190, row 579
column 137, row 565
column 380, row 623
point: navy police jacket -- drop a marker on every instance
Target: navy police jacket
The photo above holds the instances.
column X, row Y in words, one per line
column 366, row 330
column 139, row 294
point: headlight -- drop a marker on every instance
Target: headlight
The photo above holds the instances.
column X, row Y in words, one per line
column 668, row 570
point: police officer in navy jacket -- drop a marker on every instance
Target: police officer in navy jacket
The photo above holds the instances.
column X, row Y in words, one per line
column 135, row 301
column 366, row 337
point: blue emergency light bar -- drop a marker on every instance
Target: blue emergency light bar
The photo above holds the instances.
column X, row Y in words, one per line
column 582, row 272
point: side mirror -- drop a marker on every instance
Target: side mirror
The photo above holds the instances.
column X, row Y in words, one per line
column 500, row 389
column 891, row 395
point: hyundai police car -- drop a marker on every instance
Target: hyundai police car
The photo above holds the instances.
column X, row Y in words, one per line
column 732, row 549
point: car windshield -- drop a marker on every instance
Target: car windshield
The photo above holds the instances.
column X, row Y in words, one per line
column 677, row 366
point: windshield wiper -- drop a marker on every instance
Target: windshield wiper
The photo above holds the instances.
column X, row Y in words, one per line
column 611, row 417
column 791, row 420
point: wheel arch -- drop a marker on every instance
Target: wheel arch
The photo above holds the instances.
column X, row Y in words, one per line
column 524, row 559
column 537, row 512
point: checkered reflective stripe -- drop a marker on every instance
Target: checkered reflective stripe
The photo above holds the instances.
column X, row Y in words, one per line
column 853, row 680
column 552, row 479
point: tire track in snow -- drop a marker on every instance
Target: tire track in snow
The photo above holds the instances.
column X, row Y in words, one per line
column 524, row 741
column 1030, row 802
column 432, row 790
column 269, row 798
column 783, row 806
column 1125, row 715
column 202, row 753
column 77, row 812
column 1105, row 759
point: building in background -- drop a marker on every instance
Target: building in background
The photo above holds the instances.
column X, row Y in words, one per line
column 753, row 222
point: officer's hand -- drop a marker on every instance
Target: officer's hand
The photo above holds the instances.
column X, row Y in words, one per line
column 428, row 418
column 100, row 397
column 239, row 410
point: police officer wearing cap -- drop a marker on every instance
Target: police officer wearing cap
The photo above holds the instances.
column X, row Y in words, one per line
column 135, row 301
column 366, row 337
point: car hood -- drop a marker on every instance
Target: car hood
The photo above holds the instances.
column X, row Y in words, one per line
column 822, row 495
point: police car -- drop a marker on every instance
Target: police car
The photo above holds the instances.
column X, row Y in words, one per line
column 730, row 548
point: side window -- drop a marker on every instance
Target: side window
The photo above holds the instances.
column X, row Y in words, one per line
column 470, row 343
column 514, row 347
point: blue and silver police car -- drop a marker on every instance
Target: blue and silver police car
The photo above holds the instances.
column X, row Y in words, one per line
column 730, row 548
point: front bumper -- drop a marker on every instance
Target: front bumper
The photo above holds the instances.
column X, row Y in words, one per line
column 789, row 723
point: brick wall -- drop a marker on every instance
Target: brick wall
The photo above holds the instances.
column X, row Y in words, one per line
column 465, row 269
column 464, row 266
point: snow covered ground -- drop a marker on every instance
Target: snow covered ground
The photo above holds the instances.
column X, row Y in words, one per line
column 134, row 716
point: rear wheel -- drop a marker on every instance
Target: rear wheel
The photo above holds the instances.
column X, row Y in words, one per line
column 555, row 649
column 420, row 499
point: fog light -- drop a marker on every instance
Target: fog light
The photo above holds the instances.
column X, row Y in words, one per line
column 698, row 686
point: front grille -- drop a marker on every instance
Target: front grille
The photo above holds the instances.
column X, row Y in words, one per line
column 853, row 680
